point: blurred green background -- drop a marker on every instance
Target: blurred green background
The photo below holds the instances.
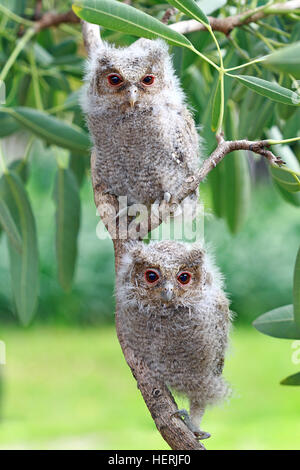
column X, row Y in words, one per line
column 66, row 384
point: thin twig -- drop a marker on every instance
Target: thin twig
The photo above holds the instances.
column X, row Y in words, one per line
column 224, row 25
column 224, row 148
column 168, row 13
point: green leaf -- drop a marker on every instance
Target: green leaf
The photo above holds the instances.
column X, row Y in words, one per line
column 236, row 188
column 124, row 18
column 78, row 164
column 291, row 198
column 66, row 47
column 269, row 89
column 51, row 129
column 286, row 60
column 288, row 156
column 190, row 8
column 25, row 265
column 286, row 178
column 67, row 201
column 291, row 380
column 20, row 167
column 279, row 323
column 296, row 290
column 8, row 224
column 216, row 109
column 7, row 125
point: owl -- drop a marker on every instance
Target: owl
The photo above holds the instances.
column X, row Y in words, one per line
column 176, row 318
column 144, row 137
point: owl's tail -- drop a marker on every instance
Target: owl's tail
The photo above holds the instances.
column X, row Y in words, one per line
column 213, row 390
column 197, row 409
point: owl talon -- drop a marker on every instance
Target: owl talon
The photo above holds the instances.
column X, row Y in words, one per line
column 185, row 417
column 167, row 197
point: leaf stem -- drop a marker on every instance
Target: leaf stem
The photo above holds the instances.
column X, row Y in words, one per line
column 14, row 17
column 35, row 80
column 205, row 58
column 285, row 141
column 254, row 61
column 273, row 29
column 20, row 45
column 2, row 161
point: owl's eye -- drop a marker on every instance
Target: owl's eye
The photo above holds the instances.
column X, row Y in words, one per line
column 114, row 79
column 151, row 276
column 184, row 278
column 148, row 80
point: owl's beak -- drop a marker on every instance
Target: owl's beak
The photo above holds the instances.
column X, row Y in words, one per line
column 132, row 96
column 167, row 292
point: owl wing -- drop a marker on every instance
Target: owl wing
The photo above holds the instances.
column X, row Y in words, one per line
column 186, row 145
column 224, row 312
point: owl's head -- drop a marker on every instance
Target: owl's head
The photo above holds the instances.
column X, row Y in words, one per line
column 130, row 76
column 167, row 272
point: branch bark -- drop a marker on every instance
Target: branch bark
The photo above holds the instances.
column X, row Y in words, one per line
column 224, row 25
column 156, row 395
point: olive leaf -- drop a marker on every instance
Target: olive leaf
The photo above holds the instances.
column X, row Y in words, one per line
column 127, row 19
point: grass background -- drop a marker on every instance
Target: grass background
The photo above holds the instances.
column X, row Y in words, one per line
column 69, row 388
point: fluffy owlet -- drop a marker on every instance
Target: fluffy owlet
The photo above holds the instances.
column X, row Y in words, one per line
column 175, row 316
column 144, row 137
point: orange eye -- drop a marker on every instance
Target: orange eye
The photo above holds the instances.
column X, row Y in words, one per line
column 151, row 276
column 148, row 80
column 184, row 278
column 114, row 79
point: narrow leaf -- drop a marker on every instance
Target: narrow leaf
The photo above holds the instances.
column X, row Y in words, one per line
column 66, row 197
column 286, row 178
column 216, row 109
column 279, row 323
column 126, row 19
column 190, row 8
column 236, row 188
column 291, row 198
column 269, row 89
column 9, row 226
column 281, row 181
column 286, row 59
column 296, row 290
column 8, row 125
column 24, row 265
column 291, row 380
column 51, row 129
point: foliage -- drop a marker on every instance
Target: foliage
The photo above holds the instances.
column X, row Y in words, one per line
column 70, row 390
column 252, row 73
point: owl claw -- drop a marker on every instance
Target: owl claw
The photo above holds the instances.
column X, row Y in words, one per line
column 185, row 417
column 167, row 197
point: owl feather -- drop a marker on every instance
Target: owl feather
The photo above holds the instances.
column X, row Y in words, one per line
column 176, row 319
column 144, row 136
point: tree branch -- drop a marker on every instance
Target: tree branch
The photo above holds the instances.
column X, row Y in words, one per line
column 224, row 148
column 91, row 36
column 157, row 397
column 51, row 19
column 224, row 25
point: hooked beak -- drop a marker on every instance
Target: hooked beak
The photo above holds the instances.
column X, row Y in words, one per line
column 132, row 96
column 167, row 292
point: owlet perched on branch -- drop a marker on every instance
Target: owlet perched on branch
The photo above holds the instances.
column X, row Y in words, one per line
column 176, row 318
column 144, row 137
